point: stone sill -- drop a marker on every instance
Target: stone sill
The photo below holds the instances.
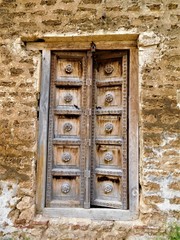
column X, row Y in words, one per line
column 93, row 213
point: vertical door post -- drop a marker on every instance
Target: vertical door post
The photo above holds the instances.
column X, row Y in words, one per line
column 43, row 129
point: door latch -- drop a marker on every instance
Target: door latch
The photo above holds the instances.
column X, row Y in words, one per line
column 93, row 47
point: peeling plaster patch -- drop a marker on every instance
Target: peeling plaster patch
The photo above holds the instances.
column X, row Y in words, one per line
column 151, row 166
column 17, row 48
column 147, row 55
column 37, row 72
column 165, row 192
column 140, row 237
column 147, row 39
column 155, row 179
column 158, row 152
column 149, row 160
column 168, row 138
column 149, row 52
column 166, row 206
column 7, row 201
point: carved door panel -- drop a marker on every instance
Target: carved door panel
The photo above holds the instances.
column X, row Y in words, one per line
column 109, row 151
column 67, row 130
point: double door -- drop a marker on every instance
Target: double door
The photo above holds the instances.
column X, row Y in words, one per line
column 88, row 129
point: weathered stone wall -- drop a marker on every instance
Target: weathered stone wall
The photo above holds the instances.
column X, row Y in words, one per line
column 158, row 24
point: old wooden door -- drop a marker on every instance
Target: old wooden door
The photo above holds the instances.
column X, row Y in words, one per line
column 109, row 130
column 87, row 146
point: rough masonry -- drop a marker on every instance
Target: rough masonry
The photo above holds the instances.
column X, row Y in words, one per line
column 158, row 24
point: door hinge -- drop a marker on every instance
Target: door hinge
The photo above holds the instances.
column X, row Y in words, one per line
column 87, row 173
column 88, row 82
column 88, row 142
column 38, row 104
column 88, row 112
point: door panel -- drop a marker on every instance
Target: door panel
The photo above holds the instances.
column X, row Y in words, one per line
column 67, row 126
column 68, row 97
column 69, row 68
column 109, row 179
column 108, row 191
column 108, row 97
column 66, row 191
column 108, row 69
column 107, row 155
column 108, row 125
column 66, row 156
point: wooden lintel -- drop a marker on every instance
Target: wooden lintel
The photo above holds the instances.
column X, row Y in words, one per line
column 100, row 45
column 81, row 42
column 82, row 38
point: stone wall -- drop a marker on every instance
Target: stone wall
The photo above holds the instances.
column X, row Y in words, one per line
column 158, row 24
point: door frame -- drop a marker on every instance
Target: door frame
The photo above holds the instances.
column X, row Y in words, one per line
column 72, row 44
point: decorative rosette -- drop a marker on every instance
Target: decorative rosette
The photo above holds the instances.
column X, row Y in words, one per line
column 67, row 127
column 69, row 69
column 108, row 188
column 66, row 157
column 65, row 188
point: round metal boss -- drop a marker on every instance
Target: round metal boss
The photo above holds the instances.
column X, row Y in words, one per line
column 68, row 97
column 108, row 98
column 108, row 69
column 108, row 188
column 68, row 68
column 108, row 127
column 108, row 156
column 67, row 127
column 65, row 188
column 66, row 157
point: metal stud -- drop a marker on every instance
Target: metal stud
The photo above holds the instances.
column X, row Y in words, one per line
column 108, row 156
column 65, row 188
column 67, row 127
column 108, row 98
column 69, row 68
column 108, row 188
column 68, row 97
column 108, row 127
column 108, row 69
column 66, row 157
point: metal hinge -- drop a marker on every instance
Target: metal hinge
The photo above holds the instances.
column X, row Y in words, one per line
column 88, row 142
column 87, row 173
column 38, row 104
column 88, row 82
column 88, row 112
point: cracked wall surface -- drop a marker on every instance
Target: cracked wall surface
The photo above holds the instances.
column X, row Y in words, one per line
column 158, row 24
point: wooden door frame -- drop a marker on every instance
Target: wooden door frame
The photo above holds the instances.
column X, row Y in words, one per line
column 103, row 44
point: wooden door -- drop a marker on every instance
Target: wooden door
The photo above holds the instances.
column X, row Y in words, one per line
column 67, row 130
column 87, row 144
column 109, row 148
